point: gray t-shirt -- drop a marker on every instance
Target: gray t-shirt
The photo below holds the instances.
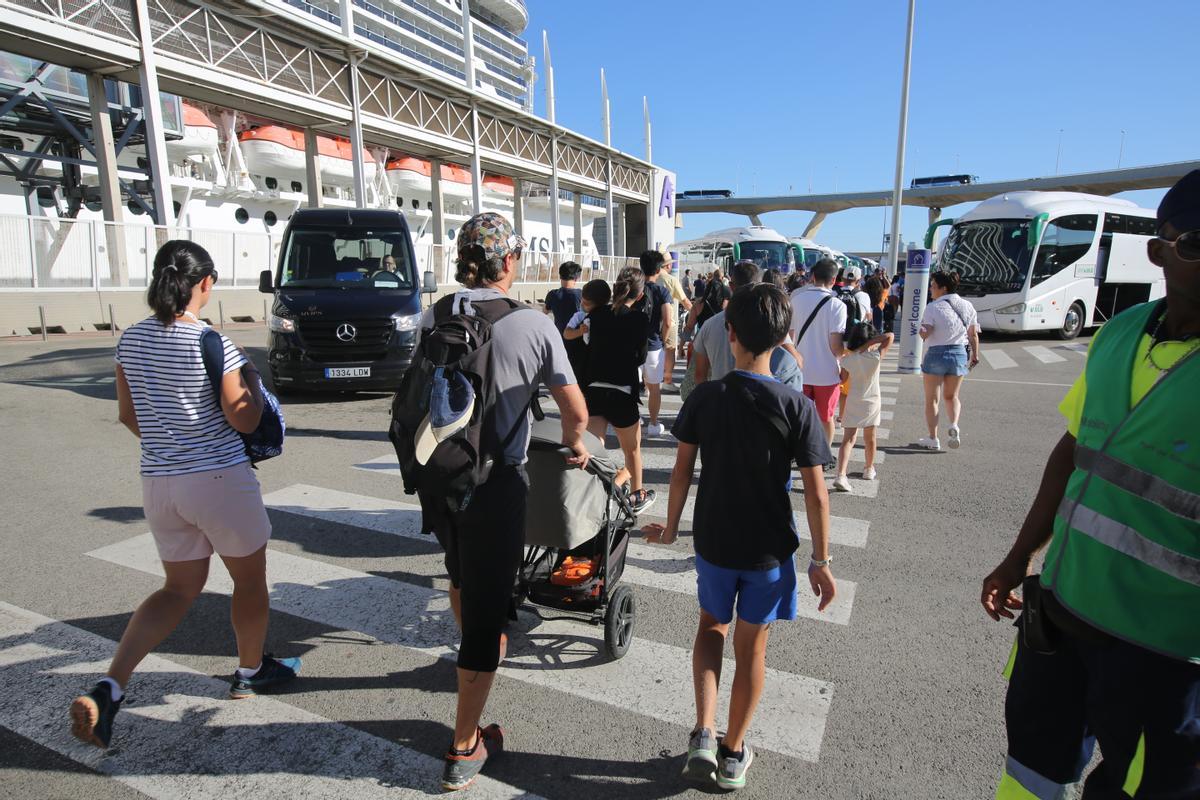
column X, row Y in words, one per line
column 713, row 341
column 527, row 351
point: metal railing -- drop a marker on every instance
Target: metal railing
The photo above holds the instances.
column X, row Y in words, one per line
column 51, row 253
column 535, row 267
column 74, row 254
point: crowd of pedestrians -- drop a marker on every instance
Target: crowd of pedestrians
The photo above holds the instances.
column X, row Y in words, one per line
column 1117, row 504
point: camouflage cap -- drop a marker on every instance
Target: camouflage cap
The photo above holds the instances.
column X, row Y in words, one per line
column 491, row 232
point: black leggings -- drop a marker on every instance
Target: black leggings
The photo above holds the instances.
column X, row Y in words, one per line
column 484, row 546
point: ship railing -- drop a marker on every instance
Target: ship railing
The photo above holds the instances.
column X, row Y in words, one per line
column 70, row 254
column 534, row 267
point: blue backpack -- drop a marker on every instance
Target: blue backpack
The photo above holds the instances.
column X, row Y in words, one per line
column 267, row 439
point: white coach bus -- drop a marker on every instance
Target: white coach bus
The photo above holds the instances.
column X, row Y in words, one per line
column 1062, row 261
column 724, row 248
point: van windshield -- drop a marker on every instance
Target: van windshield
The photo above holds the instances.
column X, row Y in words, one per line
column 347, row 258
column 991, row 256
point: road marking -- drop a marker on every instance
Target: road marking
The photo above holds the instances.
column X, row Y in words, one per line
column 675, row 571
column 652, row 678
column 997, row 359
column 181, row 737
column 1020, row 383
column 1076, row 347
column 889, row 379
column 888, row 401
column 1043, row 354
column 404, row 519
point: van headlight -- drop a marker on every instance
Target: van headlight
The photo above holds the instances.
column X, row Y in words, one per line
column 406, row 322
column 1015, row 308
column 280, row 324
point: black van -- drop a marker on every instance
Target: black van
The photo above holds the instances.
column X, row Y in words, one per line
column 347, row 301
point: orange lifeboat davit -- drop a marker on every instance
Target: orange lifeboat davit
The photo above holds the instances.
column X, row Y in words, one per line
column 276, row 151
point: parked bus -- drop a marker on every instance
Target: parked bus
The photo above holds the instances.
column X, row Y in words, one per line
column 807, row 252
column 1061, row 261
column 724, row 248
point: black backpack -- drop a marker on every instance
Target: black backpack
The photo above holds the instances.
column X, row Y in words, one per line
column 458, row 344
column 858, row 330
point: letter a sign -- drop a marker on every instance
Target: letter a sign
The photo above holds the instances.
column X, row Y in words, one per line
column 666, row 201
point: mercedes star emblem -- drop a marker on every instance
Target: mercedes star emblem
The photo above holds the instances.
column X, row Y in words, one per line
column 346, row 332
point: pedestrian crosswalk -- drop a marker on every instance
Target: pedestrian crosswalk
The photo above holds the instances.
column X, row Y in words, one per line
column 549, row 661
column 997, row 357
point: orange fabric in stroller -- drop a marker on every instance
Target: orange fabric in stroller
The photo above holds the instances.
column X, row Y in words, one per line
column 573, row 571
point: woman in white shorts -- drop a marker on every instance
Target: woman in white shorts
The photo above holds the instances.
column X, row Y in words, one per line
column 198, row 488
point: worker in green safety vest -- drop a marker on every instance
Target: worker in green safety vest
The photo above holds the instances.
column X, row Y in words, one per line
column 1108, row 644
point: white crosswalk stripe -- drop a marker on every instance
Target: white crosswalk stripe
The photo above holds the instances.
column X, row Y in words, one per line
column 997, row 359
column 1043, row 354
column 419, row 619
column 403, row 519
column 267, row 744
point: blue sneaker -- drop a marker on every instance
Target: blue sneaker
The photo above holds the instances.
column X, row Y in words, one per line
column 273, row 672
column 92, row 716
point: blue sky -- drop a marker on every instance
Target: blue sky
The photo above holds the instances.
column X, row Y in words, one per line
column 775, row 96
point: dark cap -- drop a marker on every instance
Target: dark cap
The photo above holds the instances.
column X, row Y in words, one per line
column 1180, row 206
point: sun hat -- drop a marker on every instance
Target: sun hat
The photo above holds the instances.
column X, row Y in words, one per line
column 451, row 405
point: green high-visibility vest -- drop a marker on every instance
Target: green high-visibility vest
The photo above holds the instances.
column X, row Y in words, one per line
column 1125, row 555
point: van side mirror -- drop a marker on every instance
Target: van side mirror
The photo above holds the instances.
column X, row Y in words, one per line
column 266, row 282
column 429, row 283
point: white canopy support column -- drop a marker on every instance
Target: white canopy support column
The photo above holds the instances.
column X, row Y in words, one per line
column 438, row 220
column 312, row 170
column 555, row 216
column 156, row 147
column 519, row 206
column 110, row 188
column 610, row 232
column 357, row 151
column 577, row 218
column 814, row 225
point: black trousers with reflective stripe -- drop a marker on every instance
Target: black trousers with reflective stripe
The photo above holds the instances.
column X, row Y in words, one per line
column 1060, row 706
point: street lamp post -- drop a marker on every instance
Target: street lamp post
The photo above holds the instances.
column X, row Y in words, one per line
column 898, row 187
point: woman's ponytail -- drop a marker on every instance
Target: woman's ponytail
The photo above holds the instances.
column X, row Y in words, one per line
column 630, row 283
column 178, row 266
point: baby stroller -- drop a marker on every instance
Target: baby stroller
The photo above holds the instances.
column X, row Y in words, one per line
column 577, row 529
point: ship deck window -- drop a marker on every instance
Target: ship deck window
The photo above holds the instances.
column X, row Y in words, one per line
column 242, row 216
column 270, row 218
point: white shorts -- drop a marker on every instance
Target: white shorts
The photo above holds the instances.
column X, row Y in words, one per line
column 652, row 370
column 192, row 515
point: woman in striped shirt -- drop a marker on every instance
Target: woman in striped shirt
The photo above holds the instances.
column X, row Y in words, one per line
column 198, row 489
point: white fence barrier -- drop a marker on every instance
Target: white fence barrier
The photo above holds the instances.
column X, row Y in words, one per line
column 54, row 253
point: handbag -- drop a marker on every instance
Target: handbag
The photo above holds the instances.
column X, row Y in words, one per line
column 266, row 440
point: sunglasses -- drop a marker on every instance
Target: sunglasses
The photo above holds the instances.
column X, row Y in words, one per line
column 1186, row 245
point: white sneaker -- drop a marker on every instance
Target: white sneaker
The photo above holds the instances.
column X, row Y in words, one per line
column 929, row 443
column 654, row 430
column 842, row 484
column 869, row 474
column 955, row 439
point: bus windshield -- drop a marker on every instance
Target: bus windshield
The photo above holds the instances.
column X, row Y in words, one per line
column 991, row 256
column 768, row 255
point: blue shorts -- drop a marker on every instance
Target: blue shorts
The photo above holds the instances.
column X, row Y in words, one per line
column 949, row 359
column 761, row 595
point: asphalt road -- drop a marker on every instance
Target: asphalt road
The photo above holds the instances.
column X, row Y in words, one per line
column 896, row 692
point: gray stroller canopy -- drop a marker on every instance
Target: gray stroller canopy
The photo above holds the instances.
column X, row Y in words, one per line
column 566, row 504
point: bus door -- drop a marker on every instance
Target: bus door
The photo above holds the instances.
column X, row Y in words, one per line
column 1064, row 270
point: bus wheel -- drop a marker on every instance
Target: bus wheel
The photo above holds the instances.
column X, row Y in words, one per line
column 1073, row 323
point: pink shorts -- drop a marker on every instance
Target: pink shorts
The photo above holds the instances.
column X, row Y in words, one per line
column 193, row 515
column 825, row 398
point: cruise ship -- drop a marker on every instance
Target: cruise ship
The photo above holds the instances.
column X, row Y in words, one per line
column 236, row 177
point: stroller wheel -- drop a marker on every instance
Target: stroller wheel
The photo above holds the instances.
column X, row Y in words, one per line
column 618, row 621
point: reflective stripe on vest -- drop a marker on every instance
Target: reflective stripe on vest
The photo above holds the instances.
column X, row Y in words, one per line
column 1179, row 502
column 1125, row 539
column 1022, row 783
column 1125, row 552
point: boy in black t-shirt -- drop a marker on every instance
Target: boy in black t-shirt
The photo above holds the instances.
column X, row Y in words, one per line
column 749, row 428
column 564, row 301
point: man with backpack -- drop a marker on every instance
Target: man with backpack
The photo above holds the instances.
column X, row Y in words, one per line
column 460, row 424
column 818, row 330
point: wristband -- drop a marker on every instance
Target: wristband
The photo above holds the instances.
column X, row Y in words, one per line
column 824, row 562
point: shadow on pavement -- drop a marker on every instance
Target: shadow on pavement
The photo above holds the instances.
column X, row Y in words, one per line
column 124, row 514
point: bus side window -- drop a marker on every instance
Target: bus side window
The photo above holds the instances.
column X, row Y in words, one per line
column 1065, row 241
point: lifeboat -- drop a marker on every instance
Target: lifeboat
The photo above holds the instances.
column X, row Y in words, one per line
column 200, row 140
column 274, row 151
column 407, row 174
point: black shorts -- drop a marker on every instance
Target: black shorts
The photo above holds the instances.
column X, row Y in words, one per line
column 484, row 544
column 618, row 407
